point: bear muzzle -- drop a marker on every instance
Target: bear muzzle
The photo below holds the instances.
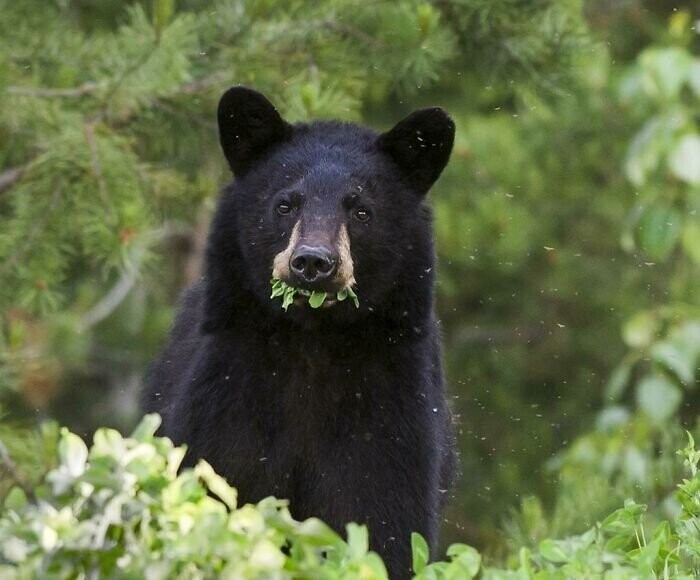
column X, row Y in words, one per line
column 312, row 263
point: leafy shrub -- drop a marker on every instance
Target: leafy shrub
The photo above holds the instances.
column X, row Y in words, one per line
column 121, row 510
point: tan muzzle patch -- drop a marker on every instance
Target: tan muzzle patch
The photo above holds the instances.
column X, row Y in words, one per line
column 345, row 275
column 280, row 265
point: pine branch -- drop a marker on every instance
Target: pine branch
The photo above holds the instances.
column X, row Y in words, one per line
column 89, row 130
column 15, row 475
column 189, row 116
column 202, row 84
column 348, row 30
column 111, row 301
column 35, row 230
column 85, row 89
column 90, row 87
column 11, row 176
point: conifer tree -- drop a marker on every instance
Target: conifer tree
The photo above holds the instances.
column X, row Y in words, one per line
column 106, row 119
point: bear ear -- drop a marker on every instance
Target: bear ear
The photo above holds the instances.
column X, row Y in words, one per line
column 420, row 145
column 248, row 125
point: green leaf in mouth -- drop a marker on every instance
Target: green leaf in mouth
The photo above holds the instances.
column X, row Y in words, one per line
column 288, row 297
column 354, row 297
column 316, row 299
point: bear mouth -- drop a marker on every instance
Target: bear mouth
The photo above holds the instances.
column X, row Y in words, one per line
column 299, row 297
column 303, row 300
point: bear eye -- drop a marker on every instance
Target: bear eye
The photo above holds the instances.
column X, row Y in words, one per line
column 284, row 208
column 361, row 214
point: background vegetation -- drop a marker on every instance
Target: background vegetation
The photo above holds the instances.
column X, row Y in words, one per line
column 567, row 221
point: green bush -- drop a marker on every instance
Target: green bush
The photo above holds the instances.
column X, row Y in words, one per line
column 121, row 510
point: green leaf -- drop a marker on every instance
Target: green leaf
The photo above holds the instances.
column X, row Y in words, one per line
column 147, row 428
column 439, row 571
column 658, row 397
column 679, row 353
column 358, row 540
column 691, row 240
column 640, row 330
column 553, row 551
column 664, row 71
column 14, row 550
column 108, row 442
column 620, row 543
column 663, row 533
column 694, row 77
column 624, row 520
column 467, row 557
column 647, row 149
column 281, row 288
column 373, row 567
column 316, row 299
column 16, row 499
column 619, row 379
column 317, row 533
column 352, row 295
column 690, row 455
column 684, row 159
column 216, row 484
column 72, row 453
column 266, row 556
column 420, row 551
column 612, row 418
column 342, row 294
column 659, row 230
column 288, row 298
column 646, row 557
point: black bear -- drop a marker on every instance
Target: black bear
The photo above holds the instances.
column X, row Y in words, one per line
column 341, row 408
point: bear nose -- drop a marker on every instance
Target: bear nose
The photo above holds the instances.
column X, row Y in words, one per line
column 313, row 263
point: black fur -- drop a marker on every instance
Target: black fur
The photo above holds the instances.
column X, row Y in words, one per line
column 340, row 410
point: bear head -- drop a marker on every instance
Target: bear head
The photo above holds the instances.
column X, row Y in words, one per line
column 324, row 207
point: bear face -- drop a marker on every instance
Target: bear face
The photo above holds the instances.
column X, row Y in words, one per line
column 324, row 207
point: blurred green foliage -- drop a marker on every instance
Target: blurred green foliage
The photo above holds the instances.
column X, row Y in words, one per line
column 120, row 510
column 567, row 221
column 123, row 509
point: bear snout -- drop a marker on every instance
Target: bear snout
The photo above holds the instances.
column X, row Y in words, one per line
column 313, row 265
